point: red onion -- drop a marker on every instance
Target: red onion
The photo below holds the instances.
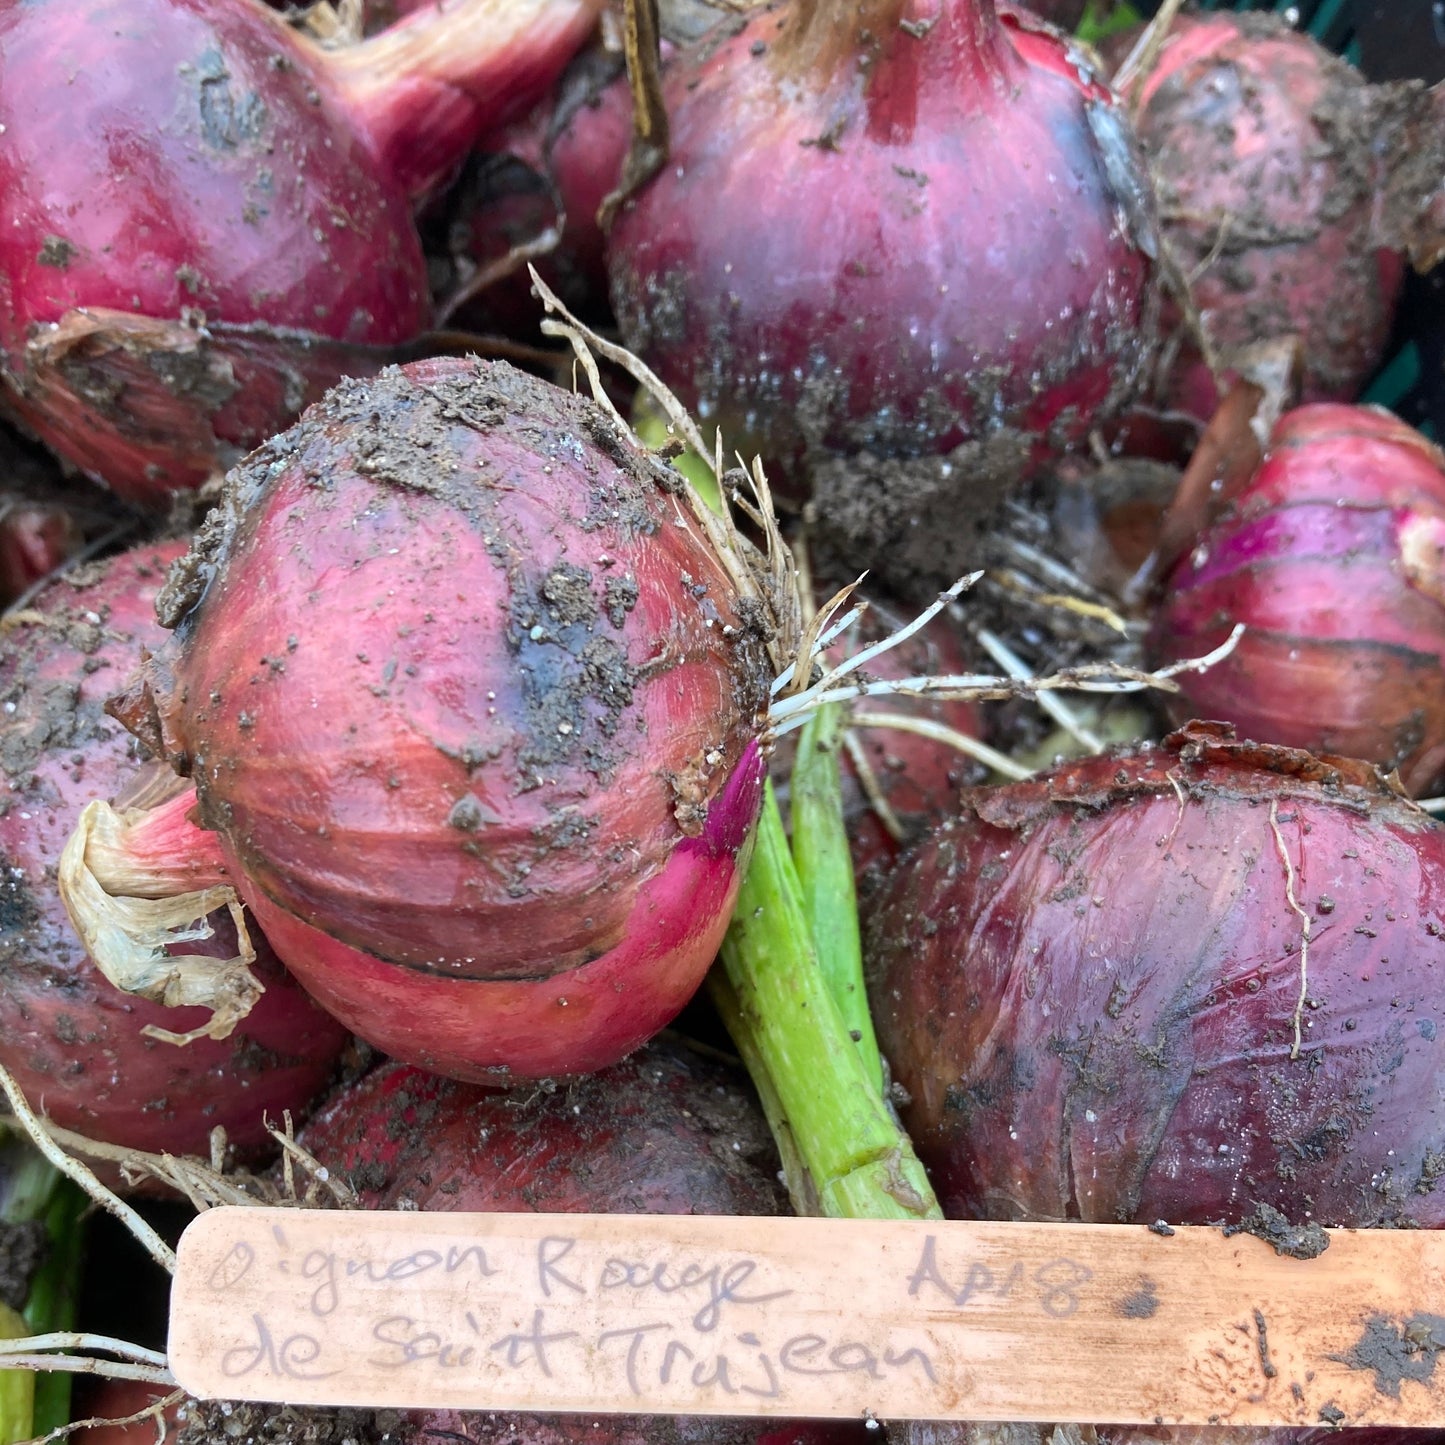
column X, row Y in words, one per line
column 1333, row 556
column 542, row 181
column 889, row 230
column 664, row 1132
column 1180, row 984
column 216, row 224
column 472, row 708
column 1268, row 154
column 75, row 1043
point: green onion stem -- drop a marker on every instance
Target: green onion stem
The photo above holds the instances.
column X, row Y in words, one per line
column 32, row 1188
column 860, row 1163
column 825, row 875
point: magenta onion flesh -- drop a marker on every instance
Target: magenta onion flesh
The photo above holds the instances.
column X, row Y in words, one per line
column 74, row 1042
column 1333, row 558
column 890, row 229
column 216, row 224
column 472, row 709
column 1178, row 983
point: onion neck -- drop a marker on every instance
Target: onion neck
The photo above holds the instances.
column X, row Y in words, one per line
column 155, row 852
column 894, row 43
column 426, row 88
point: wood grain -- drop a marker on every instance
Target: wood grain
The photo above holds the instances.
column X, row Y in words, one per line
column 800, row 1317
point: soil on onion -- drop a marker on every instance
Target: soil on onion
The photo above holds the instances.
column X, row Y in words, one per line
column 23, row 1247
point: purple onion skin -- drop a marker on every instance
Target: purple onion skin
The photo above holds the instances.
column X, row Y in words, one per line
column 1268, row 166
column 866, row 241
column 71, row 1039
column 1088, row 984
column 1333, row 556
column 481, row 753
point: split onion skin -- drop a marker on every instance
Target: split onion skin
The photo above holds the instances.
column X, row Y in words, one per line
column 72, row 1040
column 210, row 169
column 1333, row 556
column 1269, row 172
column 466, row 698
column 1087, row 983
column 998, row 280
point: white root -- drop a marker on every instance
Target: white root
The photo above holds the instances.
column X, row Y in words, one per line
column 1292, row 899
column 83, row 1175
column 1056, row 707
column 128, row 936
column 154, row 1412
column 926, row 727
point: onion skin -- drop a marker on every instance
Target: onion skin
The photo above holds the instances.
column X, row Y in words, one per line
column 1333, row 556
column 1266, row 154
column 1087, row 983
column 72, row 1040
column 247, row 180
column 936, row 322
column 492, row 723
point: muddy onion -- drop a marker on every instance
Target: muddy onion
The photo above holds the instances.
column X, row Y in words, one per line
column 889, row 230
column 1333, row 556
column 174, row 293
column 1267, row 156
column 74, row 1042
column 1177, row 984
column 473, row 712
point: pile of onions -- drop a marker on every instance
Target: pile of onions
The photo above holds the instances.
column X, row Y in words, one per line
column 471, row 705
column 80, row 1048
column 1177, row 983
column 172, row 295
column 1269, row 157
column 1333, row 557
column 890, row 229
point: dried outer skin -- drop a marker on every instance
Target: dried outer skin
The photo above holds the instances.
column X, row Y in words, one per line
column 72, row 1040
column 1268, row 163
column 466, row 698
column 1087, row 983
column 1333, row 557
column 992, row 271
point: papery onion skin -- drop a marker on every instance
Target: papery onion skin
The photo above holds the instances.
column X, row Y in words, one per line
column 73, row 1041
column 1266, row 157
column 890, row 234
column 1088, row 984
column 1333, row 557
column 244, row 181
column 463, row 690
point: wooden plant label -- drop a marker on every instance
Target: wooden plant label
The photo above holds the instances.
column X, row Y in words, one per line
column 808, row 1317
